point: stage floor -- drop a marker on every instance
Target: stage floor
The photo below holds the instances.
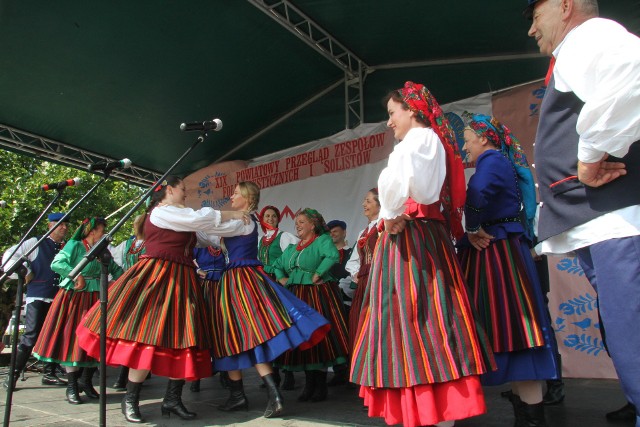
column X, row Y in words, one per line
column 585, row 404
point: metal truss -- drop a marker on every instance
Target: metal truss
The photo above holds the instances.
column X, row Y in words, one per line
column 355, row 69
column 43, row 148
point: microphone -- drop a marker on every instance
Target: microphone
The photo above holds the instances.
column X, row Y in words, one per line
column 215, row 124
column 3, row 204
column 109, row 166
column 62, row 184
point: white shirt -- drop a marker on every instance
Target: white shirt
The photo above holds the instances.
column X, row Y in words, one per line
column 599, row 61
column 416, row 168
column 205, row 222
column 286, row 238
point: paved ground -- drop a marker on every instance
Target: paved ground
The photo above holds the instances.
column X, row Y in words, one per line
column 38, row 405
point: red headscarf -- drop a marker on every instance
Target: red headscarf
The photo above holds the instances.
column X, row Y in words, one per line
column 452, row 196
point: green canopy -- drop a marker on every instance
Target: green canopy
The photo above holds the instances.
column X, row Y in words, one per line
column 85, row 80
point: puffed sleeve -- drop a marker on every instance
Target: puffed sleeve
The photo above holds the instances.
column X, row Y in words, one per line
column 416, row 169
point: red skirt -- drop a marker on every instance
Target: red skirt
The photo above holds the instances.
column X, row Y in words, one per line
column 426, row 404
column 157, row 320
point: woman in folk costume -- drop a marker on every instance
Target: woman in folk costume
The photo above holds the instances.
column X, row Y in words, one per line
column 304, row 270
column 419, row 351
column 359, row 264
column 157, row 319
column 57, row 341
column 210, row 262
column 500, row 271
column 125, row 255
column 270, row 248
column 256, row 319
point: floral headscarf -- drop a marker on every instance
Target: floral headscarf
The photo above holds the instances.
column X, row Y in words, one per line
column 320, row 226
column 500, row 136
column 452, row 196
column 263, row 224
column 87, row 225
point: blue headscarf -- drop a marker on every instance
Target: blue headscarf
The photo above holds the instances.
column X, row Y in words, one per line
column 501, row 137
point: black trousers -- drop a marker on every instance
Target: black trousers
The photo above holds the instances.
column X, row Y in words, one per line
column 34, row 320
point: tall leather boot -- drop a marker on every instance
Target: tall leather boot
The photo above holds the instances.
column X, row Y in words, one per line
column 73, row 393
column 172, row 402
column 224, row 380
column 195, row 386
column 309, row 386
column 340, row 375
column 121, row 382
column 321, row 390
column 275, row 405
column 22, row 357
column 85, row 383
column 533, row 415
column 237, row 399
column 517, row 409
column 289, row 380
column 555, row 388
column 131, row 403
column 51, row 377
column 276, row 377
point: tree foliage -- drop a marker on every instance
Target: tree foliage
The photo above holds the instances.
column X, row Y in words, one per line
column 21, row 179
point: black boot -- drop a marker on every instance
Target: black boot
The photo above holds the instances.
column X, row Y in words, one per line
column 276, row 402
column 131, row 403
column 51, row 377
column 172, row 402
column 121, row 382
column 533, row 415
column 85, row 383
column 517, row 409
column 224, row 380
column 237, row 399
column 22, row 357
column 309, row 386
column 289, row 380
column 340, row 376
column 276, row 377
column 73, row 393
column 321, row 390
column 194, row 387
column 555, row 392
column 626, row 413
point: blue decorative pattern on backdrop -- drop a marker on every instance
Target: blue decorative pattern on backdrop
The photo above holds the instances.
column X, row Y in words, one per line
column 578, row 311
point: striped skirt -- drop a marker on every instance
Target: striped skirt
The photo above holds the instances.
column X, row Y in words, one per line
column 357, row 308
column 156, row 319
column 419, row 349
column 256, row 320
column 334, row 348
column 505, row 291
column 57, row 341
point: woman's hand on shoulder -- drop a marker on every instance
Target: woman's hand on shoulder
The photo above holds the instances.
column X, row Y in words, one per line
column 240, row 215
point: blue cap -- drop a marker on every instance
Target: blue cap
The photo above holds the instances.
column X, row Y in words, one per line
column 57, row 216
column 528, row 12
column 337, row 223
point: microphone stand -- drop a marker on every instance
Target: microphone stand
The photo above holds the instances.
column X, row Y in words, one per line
column 98, row 249
column 14, row 347
column 18, row 267
column 20, row 261
column 105, row 260
column 35, row 223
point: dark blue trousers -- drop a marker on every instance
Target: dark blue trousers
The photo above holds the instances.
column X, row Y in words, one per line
column 613, row 268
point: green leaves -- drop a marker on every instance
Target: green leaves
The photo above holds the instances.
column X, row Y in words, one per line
column 21, row 179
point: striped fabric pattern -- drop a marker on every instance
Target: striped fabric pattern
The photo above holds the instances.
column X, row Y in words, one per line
column 502, row 292
column 246, row 312
column 419, row 327
column 57, row 341
column 334, row 348
column 159, row 303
